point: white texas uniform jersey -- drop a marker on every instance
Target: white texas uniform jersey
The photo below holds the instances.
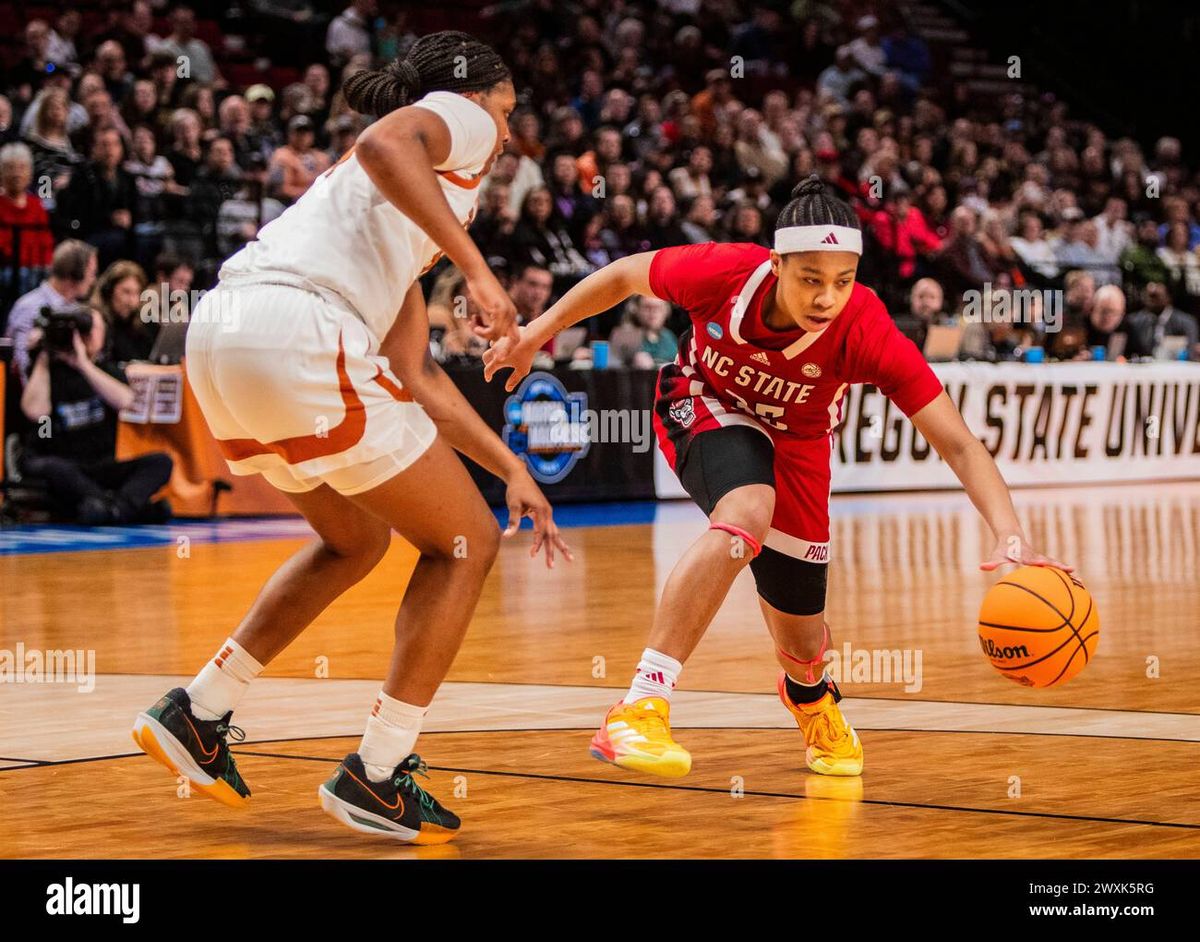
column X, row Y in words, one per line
column 344, row 236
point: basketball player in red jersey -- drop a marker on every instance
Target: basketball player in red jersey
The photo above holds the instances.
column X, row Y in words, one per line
column 745, row 417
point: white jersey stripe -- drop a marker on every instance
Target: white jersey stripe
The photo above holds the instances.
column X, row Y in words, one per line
column 833, row 407
column 743, row 299
column 726, row 418
column 799, row 346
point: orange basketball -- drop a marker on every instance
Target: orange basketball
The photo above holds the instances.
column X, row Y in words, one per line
column 1039, row 626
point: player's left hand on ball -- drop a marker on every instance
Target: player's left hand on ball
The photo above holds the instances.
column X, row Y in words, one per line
column 525, row 499
column 1014, row 549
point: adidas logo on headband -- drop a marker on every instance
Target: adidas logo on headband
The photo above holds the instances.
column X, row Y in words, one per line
column 818, row 239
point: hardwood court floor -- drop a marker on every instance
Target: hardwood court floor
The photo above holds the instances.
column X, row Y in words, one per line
column 959, row 761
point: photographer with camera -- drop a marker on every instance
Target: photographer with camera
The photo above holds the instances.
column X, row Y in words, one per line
column 73, row 395
column 72, row 274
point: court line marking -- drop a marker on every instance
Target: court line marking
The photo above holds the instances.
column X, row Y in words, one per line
column 757, row 794
column 588, row 729
column 879, row 802
column 471, row 707
column 737, row 693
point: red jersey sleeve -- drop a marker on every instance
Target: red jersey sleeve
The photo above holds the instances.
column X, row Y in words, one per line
column 699, row 277
column 877, row 353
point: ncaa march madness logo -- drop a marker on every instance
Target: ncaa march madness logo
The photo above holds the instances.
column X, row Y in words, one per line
column 547, row 426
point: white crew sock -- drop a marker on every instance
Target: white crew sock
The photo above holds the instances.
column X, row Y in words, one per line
column 656, row 676
column 392, row 731
column 219, row 686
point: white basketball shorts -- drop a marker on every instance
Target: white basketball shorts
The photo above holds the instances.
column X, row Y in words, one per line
column 293, row 388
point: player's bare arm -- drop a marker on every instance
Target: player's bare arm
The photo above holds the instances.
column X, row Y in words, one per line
column 598, row 292
column 944, row 429
column 399, row 153
column 407, row 348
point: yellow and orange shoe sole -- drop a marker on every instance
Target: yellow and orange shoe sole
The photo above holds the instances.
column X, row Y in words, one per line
column 822, row 765
column 673, row 763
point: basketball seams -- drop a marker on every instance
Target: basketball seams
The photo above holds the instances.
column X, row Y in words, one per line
column 1014, row 611
column 996, row 624
column 1066, row 621
column 1028, row 664
column 1062, row 577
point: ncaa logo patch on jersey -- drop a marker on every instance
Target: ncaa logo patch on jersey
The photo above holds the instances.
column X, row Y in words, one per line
column 811, row 370
column 714, row 330
column 683, row 412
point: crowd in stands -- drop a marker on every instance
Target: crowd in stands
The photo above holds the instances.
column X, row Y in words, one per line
column 641, row 125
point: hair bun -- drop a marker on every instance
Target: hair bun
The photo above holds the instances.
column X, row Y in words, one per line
column 409, row 77
column 808, row 186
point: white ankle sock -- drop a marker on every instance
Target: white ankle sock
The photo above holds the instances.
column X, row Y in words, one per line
column 219, row 686
column 392, row 731
column 656, row 676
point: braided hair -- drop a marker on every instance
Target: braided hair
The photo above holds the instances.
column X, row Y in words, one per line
column 811, row 205
column 447, row 61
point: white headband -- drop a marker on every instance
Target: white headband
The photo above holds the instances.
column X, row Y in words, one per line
column 818, row 239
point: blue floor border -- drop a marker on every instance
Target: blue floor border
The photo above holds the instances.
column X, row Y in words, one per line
column 64, row 538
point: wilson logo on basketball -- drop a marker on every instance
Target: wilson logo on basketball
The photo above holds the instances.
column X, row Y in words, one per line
column 811, row 370
column 998, row 653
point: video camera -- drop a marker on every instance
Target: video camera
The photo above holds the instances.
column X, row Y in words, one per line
column 60, row 327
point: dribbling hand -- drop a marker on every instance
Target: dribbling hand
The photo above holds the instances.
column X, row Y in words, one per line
column 1014, row 549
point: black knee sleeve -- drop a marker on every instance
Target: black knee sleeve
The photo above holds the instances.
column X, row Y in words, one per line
column 791, row 585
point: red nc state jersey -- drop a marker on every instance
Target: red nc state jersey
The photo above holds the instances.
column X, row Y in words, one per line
column 731, row 364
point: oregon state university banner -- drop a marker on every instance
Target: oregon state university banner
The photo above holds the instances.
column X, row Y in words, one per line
column 1061, row 423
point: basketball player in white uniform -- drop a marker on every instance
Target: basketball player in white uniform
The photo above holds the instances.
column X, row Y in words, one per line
column 310, row 361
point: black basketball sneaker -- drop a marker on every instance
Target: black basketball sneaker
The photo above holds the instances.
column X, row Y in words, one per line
column 397, row 807
column 194, row 748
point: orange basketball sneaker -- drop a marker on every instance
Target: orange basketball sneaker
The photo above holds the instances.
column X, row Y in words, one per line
column 637, row 736
column 833, row 745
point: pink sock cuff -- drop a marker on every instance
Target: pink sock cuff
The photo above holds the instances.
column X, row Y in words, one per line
column 754, row 545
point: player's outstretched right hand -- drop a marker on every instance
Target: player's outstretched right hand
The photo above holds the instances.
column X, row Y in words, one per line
column 509, row 354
